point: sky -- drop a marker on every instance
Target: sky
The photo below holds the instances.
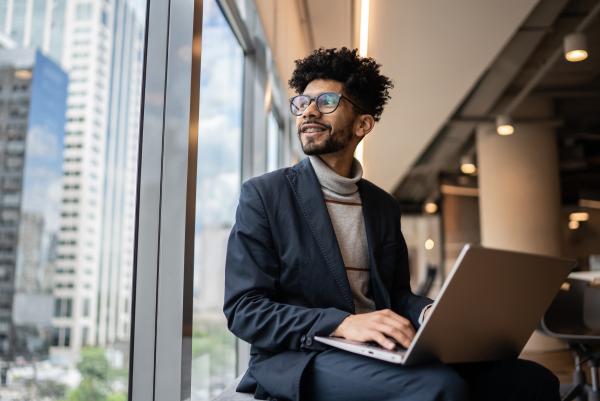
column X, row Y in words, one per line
column 219, row 142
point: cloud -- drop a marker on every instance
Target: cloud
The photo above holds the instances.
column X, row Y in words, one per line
column 43, row 144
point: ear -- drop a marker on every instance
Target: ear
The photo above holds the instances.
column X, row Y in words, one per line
column 363, row 125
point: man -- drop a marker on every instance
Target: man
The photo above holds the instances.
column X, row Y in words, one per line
column 317, row 250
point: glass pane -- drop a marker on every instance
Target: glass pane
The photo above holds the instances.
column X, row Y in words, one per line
column 218, row 185
column 273, row 145
column 70, row 98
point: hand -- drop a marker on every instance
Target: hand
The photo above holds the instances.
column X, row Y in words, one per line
column 377, row 326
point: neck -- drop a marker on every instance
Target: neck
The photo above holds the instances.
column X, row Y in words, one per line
column 340, row 162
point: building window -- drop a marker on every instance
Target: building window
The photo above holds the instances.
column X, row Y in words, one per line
column 67, row 337
column 84, row 335
column 84, row 11
column 86, row 307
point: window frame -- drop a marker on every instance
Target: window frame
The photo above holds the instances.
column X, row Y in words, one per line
column 160, row 345
column 162, row 299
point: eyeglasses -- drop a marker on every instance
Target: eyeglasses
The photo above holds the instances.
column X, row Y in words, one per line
column 326, row 102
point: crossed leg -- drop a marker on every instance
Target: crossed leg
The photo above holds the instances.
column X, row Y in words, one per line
column 336, row 375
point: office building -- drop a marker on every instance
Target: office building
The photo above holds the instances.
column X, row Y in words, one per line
column 100, row 44
column 34, row 24
column 118, row 213
column 103, row 54
column 32, row 116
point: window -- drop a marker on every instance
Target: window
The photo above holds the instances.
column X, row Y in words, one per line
column 84, row 11
column 84, row 335
column 67, row 337
column 63, row 307
column 57, row 307
column 217, row 191
column 86, row 307
column 273, row 142
column 73, row 270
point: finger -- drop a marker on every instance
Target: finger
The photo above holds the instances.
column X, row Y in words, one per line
column 390, row 314
column 382, row 340
column 405, row 327
column 400, row 336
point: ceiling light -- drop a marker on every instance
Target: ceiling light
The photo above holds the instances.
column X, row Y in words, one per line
column 575, row 47
column 579, row 216
column 573, row 225
column 467, row 166
column 429, row 244
column 504, row 125
column 430, row 207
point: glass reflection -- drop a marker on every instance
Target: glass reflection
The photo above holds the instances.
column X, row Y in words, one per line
column 70, row 92
column 218, row 184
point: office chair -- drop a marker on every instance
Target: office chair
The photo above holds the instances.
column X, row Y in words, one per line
column 574, row 317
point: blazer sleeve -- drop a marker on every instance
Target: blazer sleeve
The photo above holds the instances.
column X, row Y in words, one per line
column 403, row 301
column 251, row 287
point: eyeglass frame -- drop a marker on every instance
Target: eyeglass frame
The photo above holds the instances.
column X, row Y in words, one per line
column 314, row 98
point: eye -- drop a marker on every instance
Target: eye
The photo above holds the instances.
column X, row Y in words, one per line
column 300, row 102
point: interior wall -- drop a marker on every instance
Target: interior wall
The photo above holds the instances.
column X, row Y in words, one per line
column 285, row 32
column 434, row 52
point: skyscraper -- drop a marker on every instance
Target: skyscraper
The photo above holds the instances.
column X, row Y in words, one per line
column 100, row 44
column 118, row 225
column 34, row 24
column 87, row 54
column 104, row 55
column 32, row 114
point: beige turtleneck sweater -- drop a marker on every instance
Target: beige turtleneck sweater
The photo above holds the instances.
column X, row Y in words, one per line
column 345, row 210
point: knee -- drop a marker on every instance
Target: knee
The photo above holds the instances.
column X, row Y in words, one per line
column 542, row 379
column 533, row 380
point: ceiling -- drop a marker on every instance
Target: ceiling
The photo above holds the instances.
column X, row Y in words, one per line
column 436, row 54
column 573, row 90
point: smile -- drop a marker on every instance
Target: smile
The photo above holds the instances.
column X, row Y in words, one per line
column 313, row 128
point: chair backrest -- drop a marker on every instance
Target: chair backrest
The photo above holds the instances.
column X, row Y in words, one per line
column 591, row 306
column 573, row 315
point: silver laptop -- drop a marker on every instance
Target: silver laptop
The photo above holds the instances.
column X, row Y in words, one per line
column 487, row 309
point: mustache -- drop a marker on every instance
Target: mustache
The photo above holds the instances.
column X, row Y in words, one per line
column 313, row 122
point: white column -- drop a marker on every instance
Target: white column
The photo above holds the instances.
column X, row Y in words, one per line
column 520, row 195
column 519, row 188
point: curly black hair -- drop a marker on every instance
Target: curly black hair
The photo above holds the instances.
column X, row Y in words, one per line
column 360, row 76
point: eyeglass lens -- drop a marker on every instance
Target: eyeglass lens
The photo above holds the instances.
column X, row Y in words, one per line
column 326, row 103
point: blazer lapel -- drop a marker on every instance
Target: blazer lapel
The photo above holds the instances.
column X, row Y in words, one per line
column 379, row 292
column 307, row 191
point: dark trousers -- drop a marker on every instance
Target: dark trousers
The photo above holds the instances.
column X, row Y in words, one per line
column 336, row 375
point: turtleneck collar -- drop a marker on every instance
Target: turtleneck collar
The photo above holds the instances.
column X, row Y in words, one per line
column 331, row 180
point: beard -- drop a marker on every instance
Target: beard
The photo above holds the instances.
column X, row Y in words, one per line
column 335, row 140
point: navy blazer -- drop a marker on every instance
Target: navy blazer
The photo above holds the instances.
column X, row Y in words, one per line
column 285, row 280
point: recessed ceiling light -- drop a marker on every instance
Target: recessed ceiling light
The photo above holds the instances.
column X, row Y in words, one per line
column 575, row 47
column 504, row 125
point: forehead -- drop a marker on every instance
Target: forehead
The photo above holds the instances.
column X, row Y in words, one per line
column 323, row 85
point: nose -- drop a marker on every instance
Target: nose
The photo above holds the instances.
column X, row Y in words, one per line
column 311, row 110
